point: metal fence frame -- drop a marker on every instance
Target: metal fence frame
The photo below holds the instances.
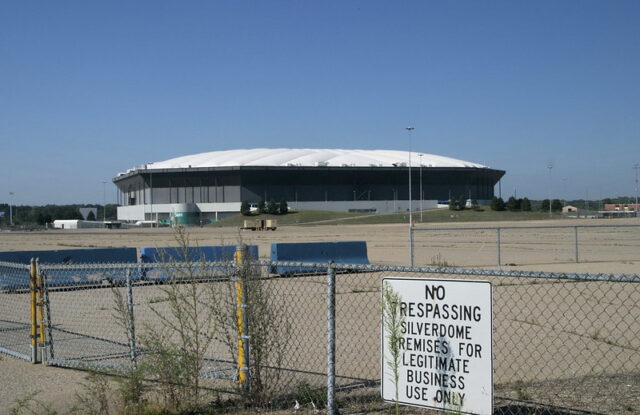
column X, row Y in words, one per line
column 413, row 230
column 42, row 322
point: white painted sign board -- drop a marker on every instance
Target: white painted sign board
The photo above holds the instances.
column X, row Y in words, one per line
column 445, row 356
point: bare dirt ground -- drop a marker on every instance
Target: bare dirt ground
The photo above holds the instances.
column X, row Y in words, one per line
column 603, row 250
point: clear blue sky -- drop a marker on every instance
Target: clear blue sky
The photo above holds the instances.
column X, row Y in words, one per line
column 89, row 89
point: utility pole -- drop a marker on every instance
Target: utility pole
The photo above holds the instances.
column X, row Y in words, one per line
column 409, row 129
column 10, row 210
column 550, row 166
column 104, row 202
column 420, row 155
column 636, row 167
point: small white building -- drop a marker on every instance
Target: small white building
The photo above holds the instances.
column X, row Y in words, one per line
column 76, row 224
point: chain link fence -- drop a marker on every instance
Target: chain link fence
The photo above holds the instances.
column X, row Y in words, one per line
column 568, row 341
column 524, row 245
column 15, row 318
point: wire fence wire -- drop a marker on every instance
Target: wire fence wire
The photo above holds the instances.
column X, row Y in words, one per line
column 15, row 320
column 525, row 245
column 564, row 340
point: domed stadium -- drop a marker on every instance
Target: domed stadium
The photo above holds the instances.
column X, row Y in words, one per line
column 210, row 186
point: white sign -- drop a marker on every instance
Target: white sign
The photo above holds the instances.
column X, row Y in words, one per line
column 442, row 332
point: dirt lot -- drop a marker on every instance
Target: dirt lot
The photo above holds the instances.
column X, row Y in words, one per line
column 536, row 321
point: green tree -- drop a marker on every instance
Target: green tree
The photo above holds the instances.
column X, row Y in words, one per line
column 245, row 210
column 512, row 204
column 462, row 202
column 91, row 216
column 526, row 205
column 497, row 204
column 272, row 207
column 283, row 207
column 262, row 207
column 544, row 207
column 452, row 204
column 556, row 205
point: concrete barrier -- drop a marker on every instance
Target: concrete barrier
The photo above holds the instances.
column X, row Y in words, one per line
column 347, row 252
column 68, row 256
column 194, row 254
column 207, row 253
column 72, row 256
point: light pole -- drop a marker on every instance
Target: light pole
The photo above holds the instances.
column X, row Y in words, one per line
column 550, row 166
column 636, row 167
column 10, row 210
column 104, row 202
column 420, row 155
column 409, row 129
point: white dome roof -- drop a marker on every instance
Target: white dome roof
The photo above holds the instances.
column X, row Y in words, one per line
column 309, row 157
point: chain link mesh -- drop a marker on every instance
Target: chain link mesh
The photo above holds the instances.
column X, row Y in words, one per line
column 15, row 321
column 561, row 340
column 525, row 245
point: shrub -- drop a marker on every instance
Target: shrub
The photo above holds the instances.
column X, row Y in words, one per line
column 245, row 210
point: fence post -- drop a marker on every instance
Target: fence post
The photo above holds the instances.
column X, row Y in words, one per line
column 498, row 244
column 33, row 299
column 411, row 244
column 331, row 339
column 575, row 238
column 241, row 316
column 130, row 321
column 49, row 353
column 40, row 302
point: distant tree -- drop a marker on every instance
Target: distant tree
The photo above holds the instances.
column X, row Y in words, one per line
column 262, row 207
column 462, row 202
column 272, row 207
column 512, row 204
column 544, row 206
column 497, row 204
column 452, row 204
column 556, row 205
column 474, row 204
column 91, row 216
column 526, row 205
column 245, row 209
column 283, row 207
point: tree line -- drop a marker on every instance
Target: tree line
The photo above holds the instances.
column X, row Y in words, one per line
column 272, row 208
column 26, row 215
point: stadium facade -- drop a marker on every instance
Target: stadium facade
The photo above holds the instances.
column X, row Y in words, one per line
column 210, row 186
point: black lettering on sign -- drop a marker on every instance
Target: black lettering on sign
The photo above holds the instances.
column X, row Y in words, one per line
column 434, row 292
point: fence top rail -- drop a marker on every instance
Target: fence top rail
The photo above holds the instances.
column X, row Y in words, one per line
column 15, row 265
column 525, row 227
column 135, row 265
column 632, row 278
column 635, row 278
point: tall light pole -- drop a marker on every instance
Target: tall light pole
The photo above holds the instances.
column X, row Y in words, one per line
column 636, row 167
column 10, row 210
column 550, row 166
column 420, row 155
column 409, row 129
column 104, row 202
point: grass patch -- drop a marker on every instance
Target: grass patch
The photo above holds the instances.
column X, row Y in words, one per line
column 316, row 217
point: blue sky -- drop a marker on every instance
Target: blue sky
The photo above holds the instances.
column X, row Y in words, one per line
column 89, row 89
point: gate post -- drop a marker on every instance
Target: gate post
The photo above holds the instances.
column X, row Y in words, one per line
column 40, row 303
column 241, row 259
column 33, row 300
column 331, row 339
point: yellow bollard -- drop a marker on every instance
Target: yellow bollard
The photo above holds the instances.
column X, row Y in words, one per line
column 40, row 310
column 240, row 315
column 34, row 319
